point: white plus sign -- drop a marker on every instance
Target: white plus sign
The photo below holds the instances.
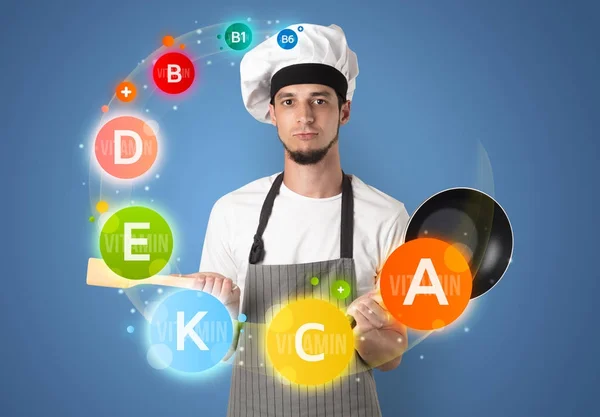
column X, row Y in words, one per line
column 340, row 290
column 126, row 91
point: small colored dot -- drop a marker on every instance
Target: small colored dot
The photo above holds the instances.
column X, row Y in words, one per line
column 130, row 329
column 132, row 311
column 221, row 48
column 422, row 356
column 104, row 108
column 120, row 291
column 241, row 330
column 81, row 146
column 242, row 318
column 314, row 281
column 182, row 46
column 168, row 41
column 218, row 36
column 160, row 291
column 92, row 219
column 102, row 206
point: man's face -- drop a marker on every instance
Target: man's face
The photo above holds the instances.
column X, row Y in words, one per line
column 308, row 118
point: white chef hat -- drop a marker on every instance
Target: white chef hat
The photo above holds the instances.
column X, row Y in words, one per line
column 320, row 56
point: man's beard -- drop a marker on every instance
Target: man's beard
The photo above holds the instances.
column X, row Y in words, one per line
column 313, row 156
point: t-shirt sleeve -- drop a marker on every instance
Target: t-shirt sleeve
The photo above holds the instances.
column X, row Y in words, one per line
column 217, row 255
column 393, row 239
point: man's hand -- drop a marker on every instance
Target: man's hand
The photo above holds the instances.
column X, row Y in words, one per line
column 219, row 286
column 381, row 339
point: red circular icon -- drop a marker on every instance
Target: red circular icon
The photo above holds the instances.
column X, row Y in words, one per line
column 173, row 73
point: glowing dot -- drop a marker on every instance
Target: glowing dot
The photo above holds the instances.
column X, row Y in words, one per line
column 81, row 146
column 92, row 219
column 232, row 64
column 199, row 31
column 146, row 188
column 426, row 232
column 117, row 192
column 221, row 48
column 102, row 206
column 104, row 108
column 195, row 21
column 242, row 318
column 147, row 110
column 465, row 233
column 182, row 46
column 268, row 22
column 175, row 107
column 362, row 338
column 249, row 19
column 314, row 281
column 399, row 340
column 145, row 86
column 438, row 324
column 242, row 349
column 241, row 330
column 160, row 291
column 266, row 36
column 157, row 176
column 130, row 329
column 357, row 379
column 249, row 336
column 168, row 41
column 83, row 183
column 146, row 302
column 132, row 202
column 277, row 21
column 219, row 36
column 241, row 363
column 209, row 62
column 143, row 60
column 178, row 259
column 422, row 356
column 467, row 330
column 262, row 364
column 132, row 311
column 120, row 291
column 198, row 41
column 152, row 201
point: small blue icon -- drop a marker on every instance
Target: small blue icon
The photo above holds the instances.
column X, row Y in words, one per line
column 242, row 318
column 197, row 331
column 130, row 329
column 300, row 28
column 287, row 39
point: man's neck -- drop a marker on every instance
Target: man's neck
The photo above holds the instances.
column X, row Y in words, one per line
column 321, row 180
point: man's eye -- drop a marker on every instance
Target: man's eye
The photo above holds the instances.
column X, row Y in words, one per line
column 287, row 102
column 320, row 101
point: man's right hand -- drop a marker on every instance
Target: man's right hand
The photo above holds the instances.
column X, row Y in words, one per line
column 219, row 286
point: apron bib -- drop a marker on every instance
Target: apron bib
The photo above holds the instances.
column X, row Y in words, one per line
column 256, row 388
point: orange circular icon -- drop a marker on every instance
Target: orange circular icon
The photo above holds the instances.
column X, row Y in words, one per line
column 126, row 91
column 426, row 283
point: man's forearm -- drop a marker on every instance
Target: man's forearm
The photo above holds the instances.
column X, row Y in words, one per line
column 381, row 349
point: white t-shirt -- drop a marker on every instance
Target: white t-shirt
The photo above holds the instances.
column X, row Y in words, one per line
column 302, row 230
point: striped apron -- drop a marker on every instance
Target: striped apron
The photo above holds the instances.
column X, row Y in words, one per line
column 257, row 390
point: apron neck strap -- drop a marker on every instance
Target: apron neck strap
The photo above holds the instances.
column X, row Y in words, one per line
column 257, row 252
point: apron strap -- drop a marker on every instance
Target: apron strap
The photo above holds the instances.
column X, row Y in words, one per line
column 257, row 252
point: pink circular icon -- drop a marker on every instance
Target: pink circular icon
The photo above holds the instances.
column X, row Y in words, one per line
column 126, row 147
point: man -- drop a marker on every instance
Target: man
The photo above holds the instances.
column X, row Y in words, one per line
column 271, row 235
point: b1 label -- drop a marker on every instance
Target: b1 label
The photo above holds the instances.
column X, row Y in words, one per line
column 238, row 36
column 287, row 39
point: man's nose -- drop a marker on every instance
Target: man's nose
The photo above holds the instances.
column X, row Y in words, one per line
column 305, row 114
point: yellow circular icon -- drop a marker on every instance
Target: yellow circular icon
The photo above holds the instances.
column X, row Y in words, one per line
column 310, row 342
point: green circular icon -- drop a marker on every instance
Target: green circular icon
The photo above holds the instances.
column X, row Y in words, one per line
column 136, row 242
column 238, row 36
column 340, row 289
column 314, row 281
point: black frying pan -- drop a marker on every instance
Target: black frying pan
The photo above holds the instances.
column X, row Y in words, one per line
column 476, row 224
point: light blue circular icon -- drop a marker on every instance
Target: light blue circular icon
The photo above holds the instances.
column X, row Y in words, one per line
column 191, row 333
column 287, row 39
column 300, row 28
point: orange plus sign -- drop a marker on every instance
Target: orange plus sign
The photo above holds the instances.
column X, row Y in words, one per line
column 126, row 91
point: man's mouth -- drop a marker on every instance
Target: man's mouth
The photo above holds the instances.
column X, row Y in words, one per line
column 305, row 135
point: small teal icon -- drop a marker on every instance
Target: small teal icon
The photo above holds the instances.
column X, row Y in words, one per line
column 287, row 39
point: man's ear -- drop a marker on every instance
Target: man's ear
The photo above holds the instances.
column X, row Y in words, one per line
column 272, row 114
column 345, row 112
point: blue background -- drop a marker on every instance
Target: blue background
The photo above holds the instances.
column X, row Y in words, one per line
column 519, row 77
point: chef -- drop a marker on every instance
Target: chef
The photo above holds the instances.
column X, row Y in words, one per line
column 265, row 240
